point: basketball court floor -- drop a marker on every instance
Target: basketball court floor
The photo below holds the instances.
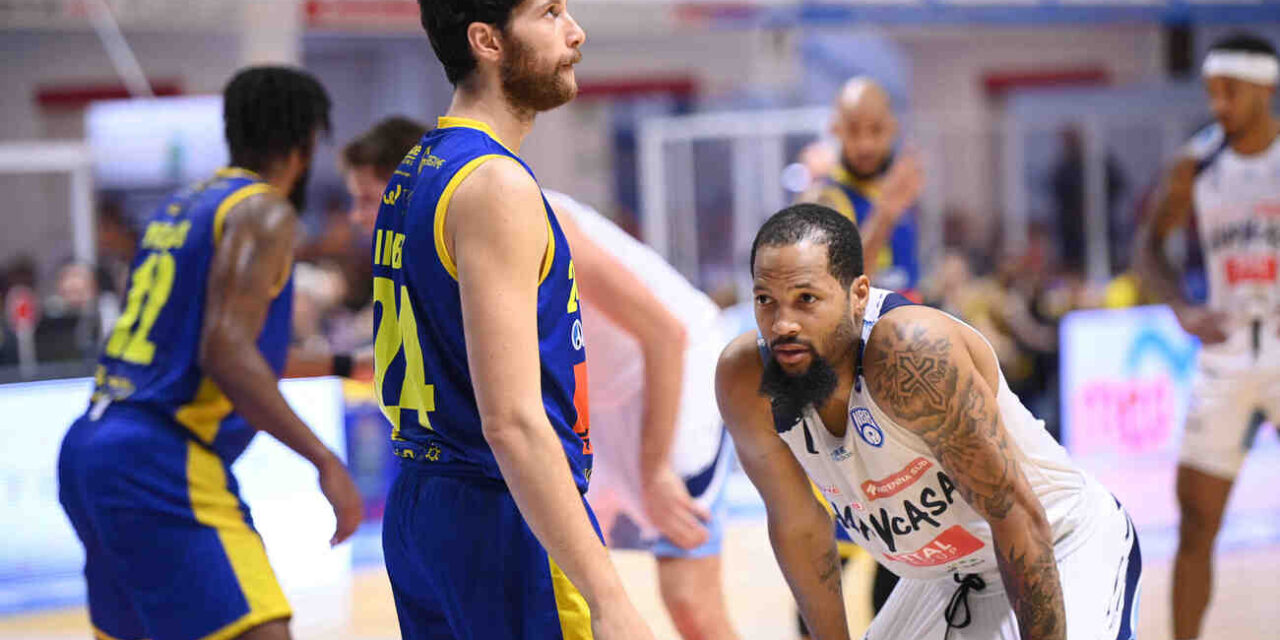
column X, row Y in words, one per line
column 1245, row 605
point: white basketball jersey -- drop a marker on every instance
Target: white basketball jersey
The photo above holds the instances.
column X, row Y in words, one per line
column 1237, row 205
column 615, row 368
column 895, row 500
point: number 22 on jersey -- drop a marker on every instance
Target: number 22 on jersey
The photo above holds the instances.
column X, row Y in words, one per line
column 149, row 290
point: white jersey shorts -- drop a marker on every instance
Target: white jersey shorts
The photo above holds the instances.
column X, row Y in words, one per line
column 1100, row 586
column 1227, row 406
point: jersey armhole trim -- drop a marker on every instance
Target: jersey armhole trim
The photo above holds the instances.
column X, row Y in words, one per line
column 843, row 203
column 550, row 256
column 442, row 210
column 230, row 202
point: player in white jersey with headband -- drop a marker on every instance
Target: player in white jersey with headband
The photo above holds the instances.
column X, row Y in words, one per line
column 900, row 415
column 1229, row 177
column 661, row 456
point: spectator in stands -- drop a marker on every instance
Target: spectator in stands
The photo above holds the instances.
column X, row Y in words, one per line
column 1067, row 187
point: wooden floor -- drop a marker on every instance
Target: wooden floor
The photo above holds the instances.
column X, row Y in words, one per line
column 1245, row 605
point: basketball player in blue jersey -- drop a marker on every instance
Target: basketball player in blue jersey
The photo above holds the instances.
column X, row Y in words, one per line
column 187, row 377
column 480, row 362
column 659, row 338
column 872, row 186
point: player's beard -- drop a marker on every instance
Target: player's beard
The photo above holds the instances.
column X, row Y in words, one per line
column 530, row 88
column 792, row 393
column 298, row 196
column 874, row 174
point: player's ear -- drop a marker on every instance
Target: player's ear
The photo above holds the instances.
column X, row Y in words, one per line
column 485, row 41
column 859, row 293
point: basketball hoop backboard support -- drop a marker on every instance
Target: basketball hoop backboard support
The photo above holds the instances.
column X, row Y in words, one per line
column 71, row 158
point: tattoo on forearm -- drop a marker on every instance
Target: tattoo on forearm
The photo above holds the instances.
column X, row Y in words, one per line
column 1031, row 582
column 829, row 570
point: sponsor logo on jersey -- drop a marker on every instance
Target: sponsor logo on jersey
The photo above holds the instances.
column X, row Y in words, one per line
column 1245, row 234
column 428, row 160
column 828, row 489
column 950, row 545
column 911, row 514
column 890, row 486
column 1251, row 268
column 576, row 335
column 841, row 454
column 868, row 430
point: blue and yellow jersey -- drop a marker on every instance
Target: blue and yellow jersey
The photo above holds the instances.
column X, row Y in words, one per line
column 897, row 266
column 421, row 375
column 151, row 358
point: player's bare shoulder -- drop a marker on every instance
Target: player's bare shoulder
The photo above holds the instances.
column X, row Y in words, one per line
column 262, row 214
column 738, row 377
column 499, row 180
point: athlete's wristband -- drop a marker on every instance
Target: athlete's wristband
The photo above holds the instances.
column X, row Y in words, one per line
column 343, row 364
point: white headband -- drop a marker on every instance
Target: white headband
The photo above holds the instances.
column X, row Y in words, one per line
column 1258, row 68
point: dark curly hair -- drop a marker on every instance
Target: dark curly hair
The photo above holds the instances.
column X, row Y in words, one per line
column 270, row 111
column 819, row 224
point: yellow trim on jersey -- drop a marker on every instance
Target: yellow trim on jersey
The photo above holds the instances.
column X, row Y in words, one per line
column 216, row 507
column 228, row 203
column 840, row 201
column 551, row 252
column 99, row 634
column 236, row 172
column 447, row 122
column 283, row 280
column 442, row 209
column 868, row 188
column 848, row 550
column 205, row 413
column 575, row 616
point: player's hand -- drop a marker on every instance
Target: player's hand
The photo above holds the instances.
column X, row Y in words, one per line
column 673, row 511
column 1182, row 180
column 618, row 621
column 901, row 186
column 1203, row 323
column 340, row 490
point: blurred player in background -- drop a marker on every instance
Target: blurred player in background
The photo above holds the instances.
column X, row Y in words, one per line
column 1229, row 178
column 661, row 453
column 901, row 416
column 873, row 185
column 188, row 376
column 480, row 356
column 369, row 160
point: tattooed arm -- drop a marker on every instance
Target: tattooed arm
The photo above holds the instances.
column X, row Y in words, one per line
column 799, row 527
column 932, row 378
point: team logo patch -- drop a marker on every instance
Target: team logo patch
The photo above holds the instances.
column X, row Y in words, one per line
column 577, row 335
column 868, row 430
